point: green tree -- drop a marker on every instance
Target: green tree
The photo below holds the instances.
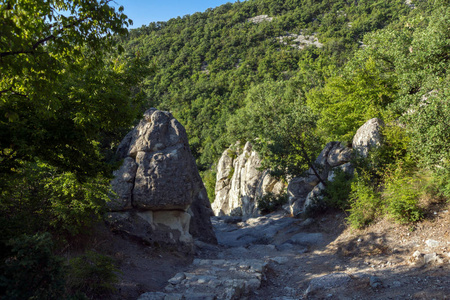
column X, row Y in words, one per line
column 280, row 125
column 57, row 90
column 63, row 91
column 348, row 100
column 63, row 94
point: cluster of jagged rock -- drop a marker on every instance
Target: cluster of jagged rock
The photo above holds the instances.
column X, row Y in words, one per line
column 160, row 199
column 241, row 182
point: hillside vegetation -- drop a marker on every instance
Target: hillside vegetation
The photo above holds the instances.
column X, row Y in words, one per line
column 206, row 63
column 228, row 78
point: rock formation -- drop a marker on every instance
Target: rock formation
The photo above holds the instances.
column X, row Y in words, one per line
column 305, row 191
column 240, row 182
column 368, row 136
column 260, row 19
column 160, row 198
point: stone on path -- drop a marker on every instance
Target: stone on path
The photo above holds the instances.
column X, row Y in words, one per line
column 307, row 239
column 261, row 230
column 214, row 279
column 327, row 282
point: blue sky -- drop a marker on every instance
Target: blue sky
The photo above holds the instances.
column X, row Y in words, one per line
column 143, row 12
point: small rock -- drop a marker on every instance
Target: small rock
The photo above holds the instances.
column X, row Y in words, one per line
column 152, row 296
column 177, row 278
column 168, row 288
column 307, row 239
column 375, row 282
column 173, row 297
column 417, row 254
column 432, row 243
column 307, row 222
column 280, row 259
column 396, row 284
column 284, row 247
column 197, row 296
column 326, row 282
column 430, row 258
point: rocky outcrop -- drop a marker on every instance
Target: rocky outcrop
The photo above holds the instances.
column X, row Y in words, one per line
column 240, row 182
column 260, row 19
column 300, row 41
column 159, row 196
column 368, row 137
column 305, row 191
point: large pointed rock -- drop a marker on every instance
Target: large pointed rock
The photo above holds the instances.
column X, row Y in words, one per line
column 159, row 177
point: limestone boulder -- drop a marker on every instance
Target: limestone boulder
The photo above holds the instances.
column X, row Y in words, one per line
column 123, row 183
column 164, row 179
column 347, row 168
column 306, row 188
column 269, row 184
column 339, row 155
column 321, row 165
column 297, row 190
column 368, row 137
column 314, row 198
column 159, row 178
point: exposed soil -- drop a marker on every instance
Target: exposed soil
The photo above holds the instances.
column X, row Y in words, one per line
column 384, row 250
column 393, row 253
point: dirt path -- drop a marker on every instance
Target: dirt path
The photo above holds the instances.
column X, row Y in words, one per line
column 277, row 257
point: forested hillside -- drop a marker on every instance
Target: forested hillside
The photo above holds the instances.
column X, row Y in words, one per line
column 229, row 77
column 205, row 63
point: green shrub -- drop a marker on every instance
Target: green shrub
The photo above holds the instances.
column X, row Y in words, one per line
column 270, row 202
column 395, row 145
column 30, row 270
column 365, row 202
column 93, row 274
column 49, row 200
column 209, row 179
column 337, row 191
column 440, row 183
column 401, row 195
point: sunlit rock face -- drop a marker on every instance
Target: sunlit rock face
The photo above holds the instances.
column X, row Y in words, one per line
column 240, row 182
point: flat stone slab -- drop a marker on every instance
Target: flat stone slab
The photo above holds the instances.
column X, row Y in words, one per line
column 307, row 239
column 213, row 279
column 327, row 282
column 259, row 230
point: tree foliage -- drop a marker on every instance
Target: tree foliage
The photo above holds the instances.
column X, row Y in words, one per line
column 349, row 99
column 57, row 90
column 64, row 94
column 206, row 63
column 280, row 125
